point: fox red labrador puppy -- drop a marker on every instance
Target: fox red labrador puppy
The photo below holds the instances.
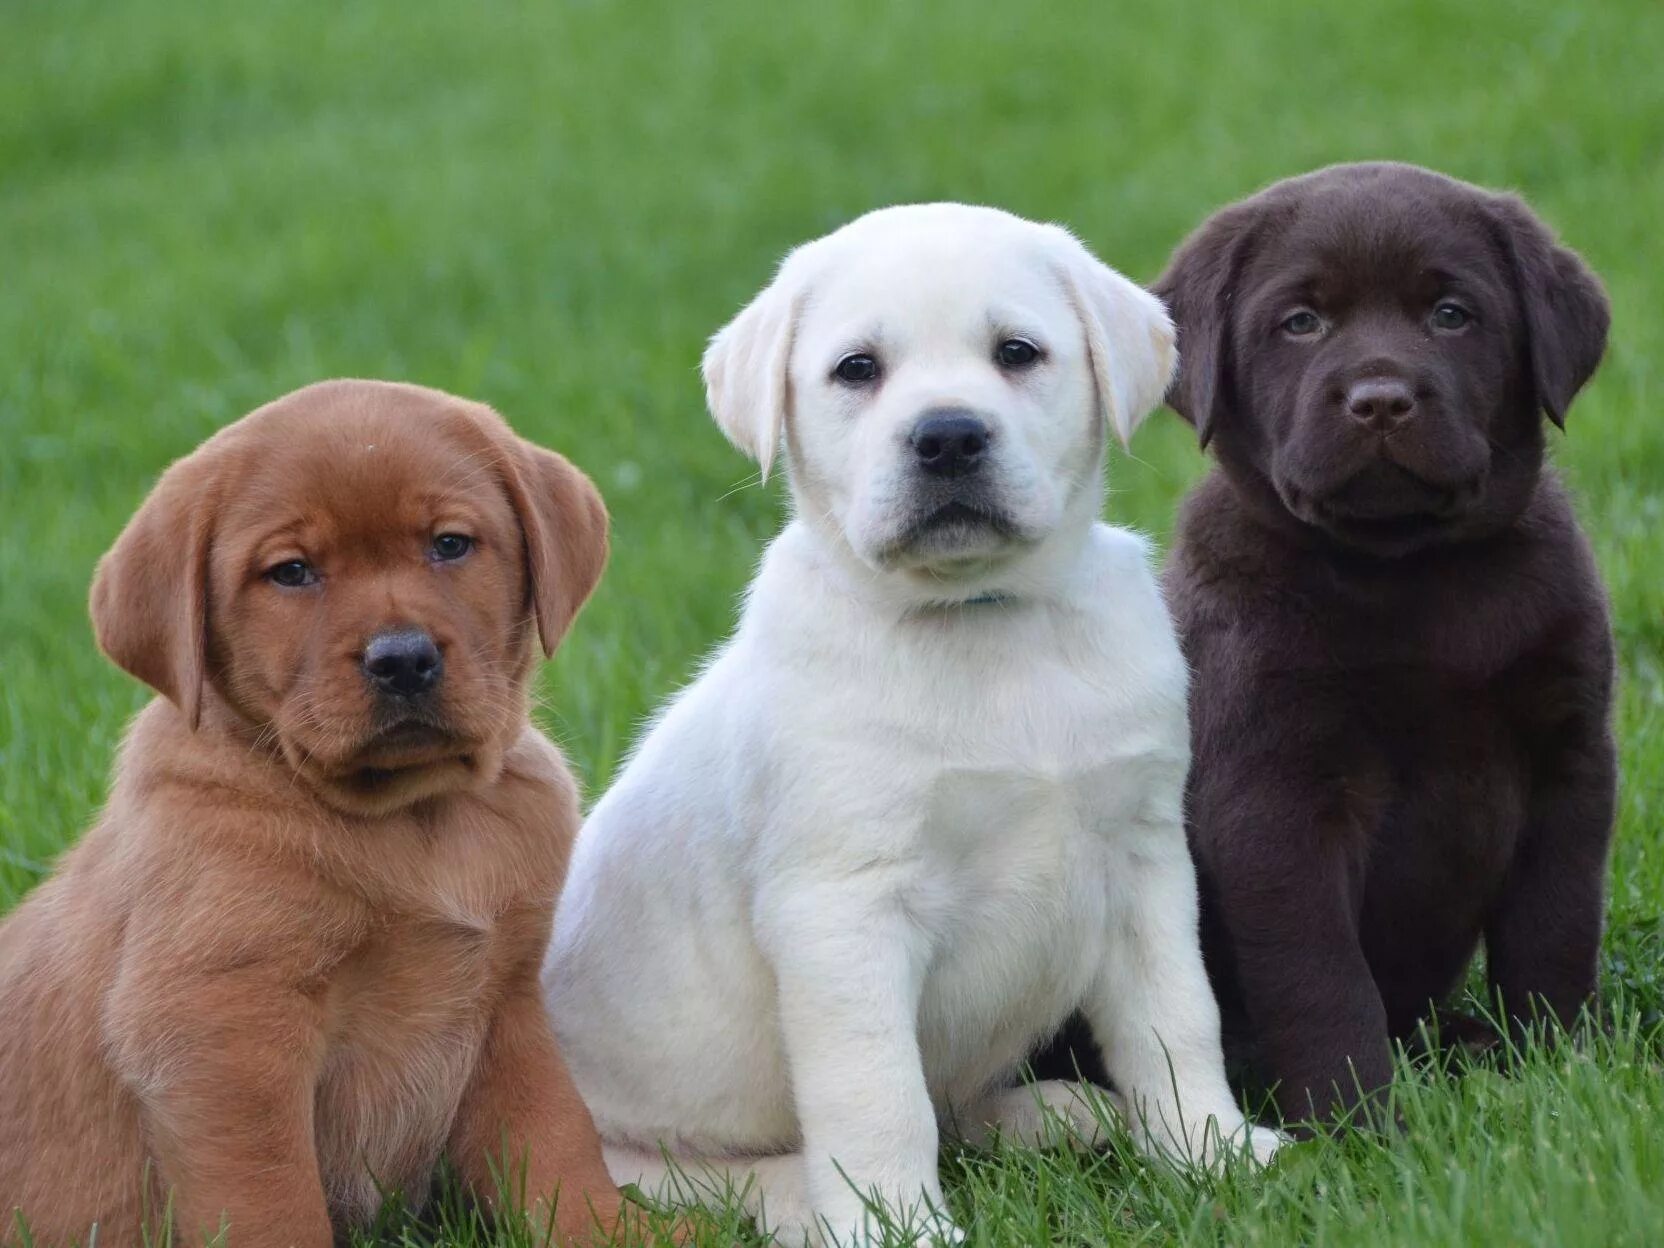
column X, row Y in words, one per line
column 1403, row 664
column 295, row 962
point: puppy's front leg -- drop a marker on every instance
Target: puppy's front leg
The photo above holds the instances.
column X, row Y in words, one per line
column 1542, row 941
column 849, row 966
column 224, row 1068
column 522, row 1114
column 1153, row 1011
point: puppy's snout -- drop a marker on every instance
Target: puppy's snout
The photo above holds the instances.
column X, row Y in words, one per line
column 403, row 663
column 1381, row 403
column 950, row 442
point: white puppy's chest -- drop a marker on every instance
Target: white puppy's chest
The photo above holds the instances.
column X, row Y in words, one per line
column 1002, row 836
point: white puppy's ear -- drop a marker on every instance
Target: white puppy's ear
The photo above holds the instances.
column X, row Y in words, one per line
column 746, row 383
column 1129, row 336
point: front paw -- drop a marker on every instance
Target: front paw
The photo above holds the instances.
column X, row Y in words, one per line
column 1215, row 1139
column 1237, row 1138
column 920, row 1226
column 1264, row 1142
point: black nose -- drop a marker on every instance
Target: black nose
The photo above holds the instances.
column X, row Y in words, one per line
column 1382, row 403
column 403, row 663
column 949, row 443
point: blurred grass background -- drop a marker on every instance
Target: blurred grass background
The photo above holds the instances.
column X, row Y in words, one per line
column 550, row 206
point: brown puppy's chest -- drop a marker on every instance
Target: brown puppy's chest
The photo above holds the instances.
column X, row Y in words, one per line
column 407, row 1035
column 410, row 1007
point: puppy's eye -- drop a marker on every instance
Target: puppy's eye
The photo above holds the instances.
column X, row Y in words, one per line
column 292, row 574
column 449, row 546
column 1016, row 353
column 1448, row 316
column 1303, row 324
column 856, row 369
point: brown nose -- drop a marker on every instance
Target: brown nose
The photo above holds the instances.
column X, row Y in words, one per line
column 1382, row 403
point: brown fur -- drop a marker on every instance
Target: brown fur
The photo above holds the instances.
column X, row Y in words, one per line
column 297, row 957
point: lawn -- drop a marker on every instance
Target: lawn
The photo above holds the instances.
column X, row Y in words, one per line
column 551, row 206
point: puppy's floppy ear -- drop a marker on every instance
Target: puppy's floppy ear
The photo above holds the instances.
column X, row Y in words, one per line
column 746, row 383
column 1566, row 311
column 1129, row 336
column 149, row 600
column 565, row 526
column 1198, row 287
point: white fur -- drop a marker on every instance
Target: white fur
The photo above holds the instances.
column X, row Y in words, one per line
column 890, row 838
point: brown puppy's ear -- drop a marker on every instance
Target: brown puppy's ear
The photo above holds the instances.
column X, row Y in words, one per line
column 1198, row 288
column 1566, row 311
column 565, row 524
column 149, row 599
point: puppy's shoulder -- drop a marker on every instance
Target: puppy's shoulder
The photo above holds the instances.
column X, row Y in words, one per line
column 535, row 761
column 198, row 782
column 537, row 788
column 1121, row 551
column 1121, row 574
column 1559, row 543
column 1224, row 567
column 1553, row 584
column 1123, row 589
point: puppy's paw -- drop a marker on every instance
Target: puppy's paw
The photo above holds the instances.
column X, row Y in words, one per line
column 926, row 1233
column 1046, row 1114
column 1264, row 1142
column 1211, row 1142
column 1240, row 1139
column 923, row 1228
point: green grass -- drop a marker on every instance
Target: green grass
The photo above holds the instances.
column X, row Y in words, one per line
column 550, row 206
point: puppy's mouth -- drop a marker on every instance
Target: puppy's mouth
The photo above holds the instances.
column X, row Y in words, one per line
column 398, row 755
column 406, row 745
column 954, row 525
column 1386, row 506
column 1414, row 528
column 370, row 783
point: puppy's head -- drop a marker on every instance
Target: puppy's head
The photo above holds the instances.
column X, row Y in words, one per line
column 361, row 571
column 940, row 379
column 1370, row 349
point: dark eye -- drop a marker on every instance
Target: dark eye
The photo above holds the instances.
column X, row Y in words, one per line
column 856, row 369
column 448, row 546
column 1303, row 324
column 1450, row 316
column 292, row 574
column 1017, row 353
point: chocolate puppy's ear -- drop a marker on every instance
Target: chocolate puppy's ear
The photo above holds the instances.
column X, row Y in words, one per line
column 565, row 526
column 1198, row 287
column 1566, row 311
column 149, row 599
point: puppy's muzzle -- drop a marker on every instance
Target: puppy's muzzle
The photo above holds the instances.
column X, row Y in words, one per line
column 950, row 442
column 403, row 663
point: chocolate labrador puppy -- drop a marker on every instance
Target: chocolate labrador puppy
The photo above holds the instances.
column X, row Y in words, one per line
column 1403, row 665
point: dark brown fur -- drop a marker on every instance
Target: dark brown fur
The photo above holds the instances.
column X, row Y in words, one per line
column 1402, row 658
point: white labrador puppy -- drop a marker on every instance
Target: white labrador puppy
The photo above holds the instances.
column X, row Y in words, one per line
column 926, row 801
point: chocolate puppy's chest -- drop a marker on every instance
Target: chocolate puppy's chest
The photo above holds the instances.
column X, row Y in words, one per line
column 1441, row 782
column 1448, row 766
